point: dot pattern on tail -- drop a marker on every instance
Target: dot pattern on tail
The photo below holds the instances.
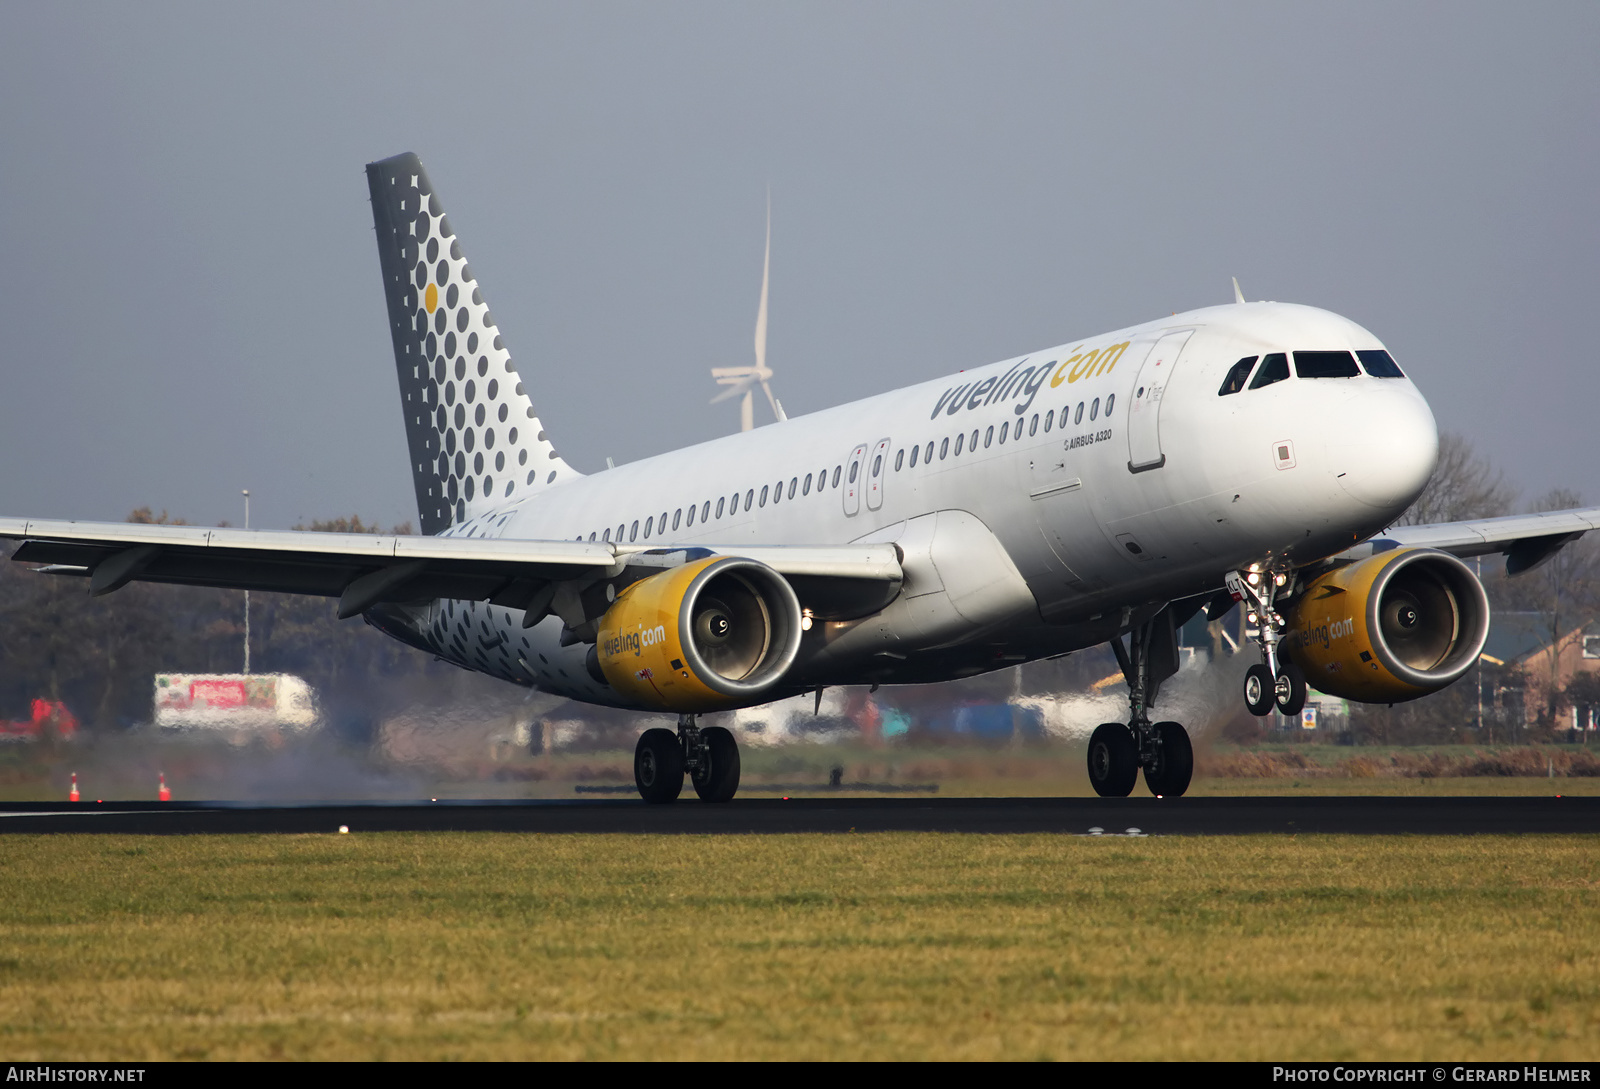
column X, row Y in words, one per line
column 474, row 438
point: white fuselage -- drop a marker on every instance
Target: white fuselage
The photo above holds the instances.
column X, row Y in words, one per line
column 1114, row 491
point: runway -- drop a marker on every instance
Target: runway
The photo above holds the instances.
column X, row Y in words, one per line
column 1067, row 816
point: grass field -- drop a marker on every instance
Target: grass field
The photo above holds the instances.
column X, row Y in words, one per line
column 434, row 946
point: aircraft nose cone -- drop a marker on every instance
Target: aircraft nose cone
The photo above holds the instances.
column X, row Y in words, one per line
column 1385, row 448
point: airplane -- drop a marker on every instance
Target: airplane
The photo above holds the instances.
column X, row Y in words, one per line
column 1102, row 491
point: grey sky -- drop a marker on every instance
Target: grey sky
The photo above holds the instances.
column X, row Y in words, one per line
column 192, row 284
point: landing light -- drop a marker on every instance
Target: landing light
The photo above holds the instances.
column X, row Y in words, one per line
column 1253, row 577
column 805, row 619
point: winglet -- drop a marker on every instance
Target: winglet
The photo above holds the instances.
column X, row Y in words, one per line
column 1238, row 296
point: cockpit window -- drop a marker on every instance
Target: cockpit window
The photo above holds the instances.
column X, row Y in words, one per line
column 1325, row 365
column 1274, row 368
column 1380, row 364
column 1238, row 374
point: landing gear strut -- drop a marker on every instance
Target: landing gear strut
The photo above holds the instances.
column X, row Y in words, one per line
column 1117, row 751
column 710, row 757
column 1275, row 682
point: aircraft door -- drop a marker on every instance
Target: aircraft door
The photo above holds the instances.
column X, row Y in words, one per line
column 877, row 469
column 1144, row 408
column 852, row 481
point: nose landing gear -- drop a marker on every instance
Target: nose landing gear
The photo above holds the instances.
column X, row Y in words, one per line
column 1116, row 751
column 1274, row 682
column 710, row 758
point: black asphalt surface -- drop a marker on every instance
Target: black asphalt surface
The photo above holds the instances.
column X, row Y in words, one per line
column 1071, row 816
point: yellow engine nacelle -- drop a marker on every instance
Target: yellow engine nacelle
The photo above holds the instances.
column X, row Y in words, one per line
column 1390, row 628
column 711, row 634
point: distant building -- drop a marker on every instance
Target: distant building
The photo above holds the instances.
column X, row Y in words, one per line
column 1523, row 665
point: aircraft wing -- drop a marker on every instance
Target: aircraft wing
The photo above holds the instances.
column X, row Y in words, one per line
column 1526, row 539
column 364, row 569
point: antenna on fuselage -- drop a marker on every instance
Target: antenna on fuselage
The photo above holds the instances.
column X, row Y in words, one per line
column 743, row 380
column 1238, row 296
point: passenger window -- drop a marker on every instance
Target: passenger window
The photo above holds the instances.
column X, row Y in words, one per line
column 1380, row 364
column 1094, row 409
column 855, row 467
column 972, row 443
column 1110, row 400
column 705, row 511
column 915, row 450
column 988, row 437
column 620, row 529
column 1049, row 418
column 1078, row 419
column 662, row 522
column 836, row 471
column 720, row 501
column 749, row 497
column 1238, row 375
column 960, row 439
column 877, row 464
column 944, row 448
column 794, row 482
column 1274, row 368
column 927, row 455
column 899, row 459
column 763, row 495
column 648, row 522
column 805, row 489
column 1004, row 428
column 606, row 537
column 1325, row 365
column 633, row 534
column 689, row 521
column 1033, row 425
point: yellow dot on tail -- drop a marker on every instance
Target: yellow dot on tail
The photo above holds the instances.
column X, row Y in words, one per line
column 431, row 298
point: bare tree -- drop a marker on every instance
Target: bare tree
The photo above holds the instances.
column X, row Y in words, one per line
column 1464, row 485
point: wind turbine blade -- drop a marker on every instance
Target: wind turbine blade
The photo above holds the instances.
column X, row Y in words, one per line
column 761, row 314
column 777, row 409
column 733, row 390
column 1238, row 296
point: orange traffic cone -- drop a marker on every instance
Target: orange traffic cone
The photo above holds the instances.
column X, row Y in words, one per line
column 74, row 795
column 165, row 794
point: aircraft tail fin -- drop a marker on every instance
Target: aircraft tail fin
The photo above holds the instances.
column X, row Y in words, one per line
column 475, row 440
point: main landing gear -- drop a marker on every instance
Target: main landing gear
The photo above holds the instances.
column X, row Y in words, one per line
column 709, row 756
column 1275, row 682
column 1117, row 751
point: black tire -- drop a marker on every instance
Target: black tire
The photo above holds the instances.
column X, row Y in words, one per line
column 720, row 781
column 1169, row 775
column 1290, row 690
column 658, row 766
column 1258, row 691
column 1113, row 760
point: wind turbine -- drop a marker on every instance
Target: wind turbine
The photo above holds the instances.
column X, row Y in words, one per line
column 744, row 379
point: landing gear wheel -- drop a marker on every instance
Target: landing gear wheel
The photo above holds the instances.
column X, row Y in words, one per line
column 1168, row 774
column 1258, row 690
column 1290, row 689
column 1113, row 760
column 658, row 766
column 717, row 778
